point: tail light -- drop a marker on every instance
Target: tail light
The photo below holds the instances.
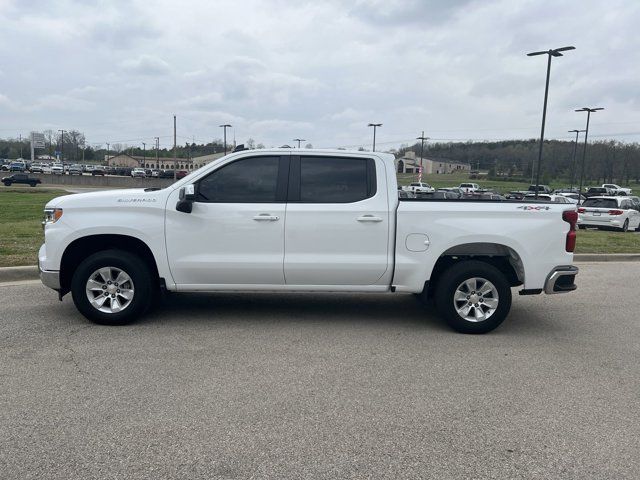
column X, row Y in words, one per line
column 571, row 217
column 581, row 210
column 615, row 212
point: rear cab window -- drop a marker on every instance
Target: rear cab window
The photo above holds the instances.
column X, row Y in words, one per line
column 332, row 179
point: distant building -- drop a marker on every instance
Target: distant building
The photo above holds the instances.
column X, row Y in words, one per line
column 134, row 161
column 410, row 164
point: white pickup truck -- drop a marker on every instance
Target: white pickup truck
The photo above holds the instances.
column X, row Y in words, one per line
column 419, row 187
column 320, row 221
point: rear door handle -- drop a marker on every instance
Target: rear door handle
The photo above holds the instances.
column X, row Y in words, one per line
column 369, row 218
column 266, row 217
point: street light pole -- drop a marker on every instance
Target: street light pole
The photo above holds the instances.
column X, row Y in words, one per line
column 61, row 145
column 575, row 150
column 144, row 155
column 157, row 151
column 422, row 138
column 299, row 140
column 554, row 52
column 374, row 125
column 225, row 126
column 584, row 150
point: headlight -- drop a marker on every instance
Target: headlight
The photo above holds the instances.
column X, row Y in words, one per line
column 51, row 215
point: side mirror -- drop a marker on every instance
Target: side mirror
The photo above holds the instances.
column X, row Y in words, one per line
column 186, row 197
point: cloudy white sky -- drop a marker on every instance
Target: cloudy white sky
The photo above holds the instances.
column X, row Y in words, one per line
column 320, row 70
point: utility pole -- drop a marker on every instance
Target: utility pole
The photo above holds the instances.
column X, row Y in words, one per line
column 374, row 125
column 175, row 146
column 224, row 127
column 584, row 151
column 106, row 155
column 61, row 146
column 299, row 140
column 157, row 149
column 554, row 52
column 573, row 163
column 144, row 155
column 20, row 141
column 422, row 138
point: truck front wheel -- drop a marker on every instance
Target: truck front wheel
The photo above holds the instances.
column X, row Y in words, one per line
column 473, row 297
column 112, row 287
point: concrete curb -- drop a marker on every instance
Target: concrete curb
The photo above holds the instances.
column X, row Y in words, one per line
column 30, row 272
column 17, row 274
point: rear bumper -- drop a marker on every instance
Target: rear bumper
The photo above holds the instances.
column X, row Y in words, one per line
column 561, row 280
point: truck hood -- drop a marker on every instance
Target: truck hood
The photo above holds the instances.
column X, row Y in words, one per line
column 132, row 196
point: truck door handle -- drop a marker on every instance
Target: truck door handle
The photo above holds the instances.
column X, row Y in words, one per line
column 266, row 217
column 369, row 218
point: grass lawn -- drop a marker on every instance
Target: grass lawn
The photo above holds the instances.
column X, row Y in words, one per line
column 20, row 230
column 21, row 233
column 601, row 241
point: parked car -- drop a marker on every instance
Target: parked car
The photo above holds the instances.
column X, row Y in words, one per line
column 539, row 188
column 36, row 168
column 263, row 220
column 635, row 201
column 456, row 190
column 155, row 173
column 75, row 170
column 166, row 174
column 419, row 187
column 405, row 194
column 17, row 167
column 181, row 174
column 46, row 168
column 617, row 189
column 439, row 195
column 613, row 212
column 469, row 187
column 598, row 192
column 97, row 170
column 57, row 169
column 20, row 178
column 545, row 197
column 138, row 172
column 573, row 196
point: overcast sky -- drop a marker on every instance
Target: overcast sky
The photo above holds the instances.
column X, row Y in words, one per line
column 118, row 70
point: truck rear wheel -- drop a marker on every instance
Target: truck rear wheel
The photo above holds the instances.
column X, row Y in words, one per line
column 473, row 297
column 112, row 287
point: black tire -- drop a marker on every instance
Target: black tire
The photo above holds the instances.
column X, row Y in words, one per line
column 7, row 184
column 582, row 227
column 33, row 184
column 446, row 288
column 625, row 226
column 134, row 267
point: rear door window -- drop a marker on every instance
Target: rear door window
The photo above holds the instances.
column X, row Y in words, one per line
column 335, row 180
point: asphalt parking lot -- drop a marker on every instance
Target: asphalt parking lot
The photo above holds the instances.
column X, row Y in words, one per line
column 320, row 386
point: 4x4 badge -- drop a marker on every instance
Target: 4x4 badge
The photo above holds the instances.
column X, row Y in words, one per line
column 535, row 208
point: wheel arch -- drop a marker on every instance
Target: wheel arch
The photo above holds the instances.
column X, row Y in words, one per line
column 503, row 257
column 85, row 246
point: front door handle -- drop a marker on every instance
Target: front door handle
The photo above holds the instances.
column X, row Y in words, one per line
column 266, row 217
column 369, row 218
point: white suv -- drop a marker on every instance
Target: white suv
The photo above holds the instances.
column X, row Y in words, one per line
column 138, row 172
column 609, row 212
